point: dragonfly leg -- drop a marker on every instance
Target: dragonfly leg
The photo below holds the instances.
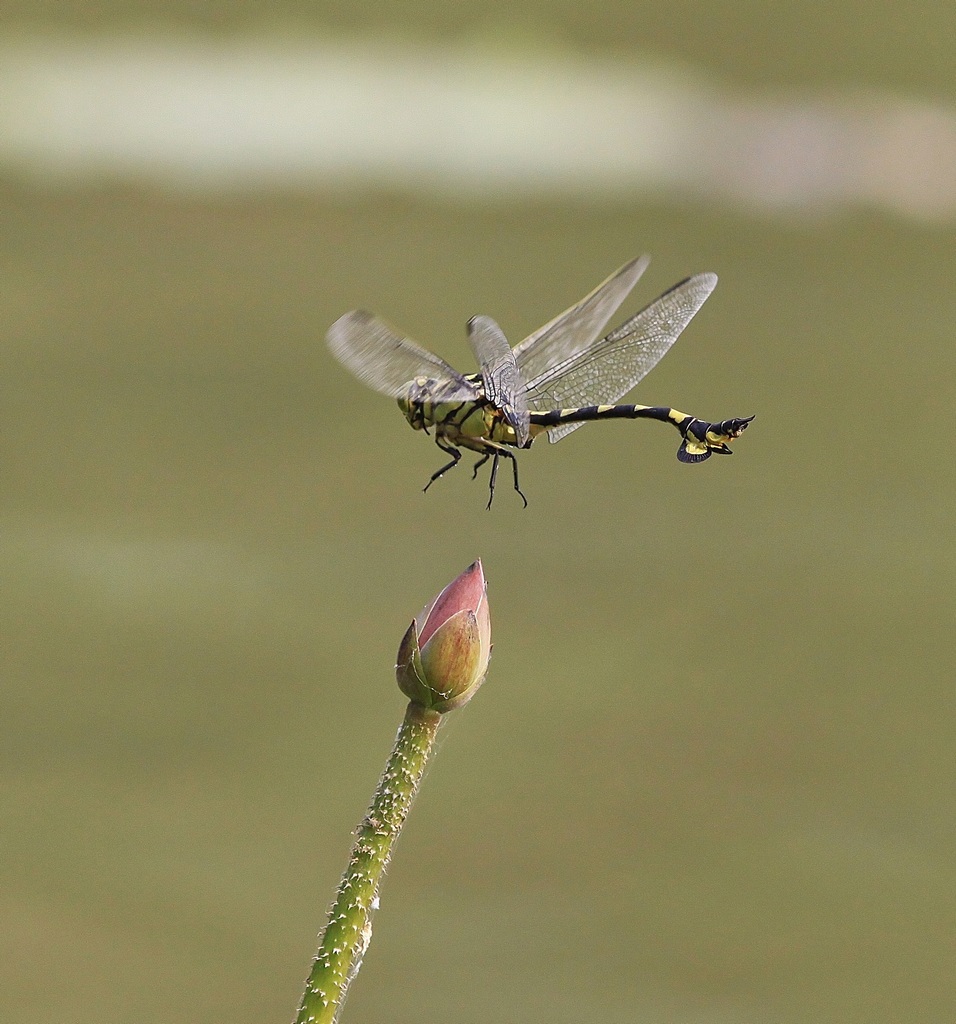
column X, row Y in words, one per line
column 478, row 465
column 494, row 474
column 455, row 459
column 514, row 467
column 500, row 454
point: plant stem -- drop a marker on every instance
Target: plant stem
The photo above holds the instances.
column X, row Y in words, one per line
column 349, row 928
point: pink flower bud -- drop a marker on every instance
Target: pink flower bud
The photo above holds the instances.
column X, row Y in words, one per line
column 443, row 657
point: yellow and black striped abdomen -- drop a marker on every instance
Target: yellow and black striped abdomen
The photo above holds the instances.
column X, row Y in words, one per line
column 585, row 413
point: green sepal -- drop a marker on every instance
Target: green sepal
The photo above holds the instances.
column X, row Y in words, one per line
column 408, row 669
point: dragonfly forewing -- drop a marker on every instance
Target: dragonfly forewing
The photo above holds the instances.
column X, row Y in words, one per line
column 387, row 361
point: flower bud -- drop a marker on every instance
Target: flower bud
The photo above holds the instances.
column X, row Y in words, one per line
column 444, row 655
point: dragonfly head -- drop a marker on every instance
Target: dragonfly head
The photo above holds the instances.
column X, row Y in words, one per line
column 702, row 439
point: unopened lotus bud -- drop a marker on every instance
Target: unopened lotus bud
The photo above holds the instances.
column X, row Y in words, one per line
column 443, row 657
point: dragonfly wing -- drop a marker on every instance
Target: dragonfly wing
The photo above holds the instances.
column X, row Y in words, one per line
column 387, row 361
column 605, row 372
column 499, row 373
column 576, row 328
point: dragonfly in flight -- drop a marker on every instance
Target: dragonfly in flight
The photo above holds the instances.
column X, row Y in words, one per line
column 564, row 374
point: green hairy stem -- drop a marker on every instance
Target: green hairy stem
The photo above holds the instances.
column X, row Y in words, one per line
column 349, row 929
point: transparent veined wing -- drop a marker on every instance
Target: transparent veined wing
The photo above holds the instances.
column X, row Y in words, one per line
column 387, row 361
column 502, row 381
column 605, row 372
column 576, row 328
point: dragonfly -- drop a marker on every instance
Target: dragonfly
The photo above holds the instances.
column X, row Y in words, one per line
column 564, row 374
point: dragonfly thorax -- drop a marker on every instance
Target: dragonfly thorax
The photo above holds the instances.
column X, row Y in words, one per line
column 427, row 403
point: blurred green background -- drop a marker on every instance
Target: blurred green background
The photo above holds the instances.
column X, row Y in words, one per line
column 709, row 778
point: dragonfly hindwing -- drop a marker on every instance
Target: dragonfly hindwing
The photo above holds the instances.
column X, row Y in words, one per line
column 603, row 372
column 576, row 328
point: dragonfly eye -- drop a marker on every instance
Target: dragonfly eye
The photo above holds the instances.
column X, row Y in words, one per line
column 420, row 389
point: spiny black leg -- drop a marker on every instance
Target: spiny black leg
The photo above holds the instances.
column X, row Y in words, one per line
column 455, row 458
column 514, row 466
column 494, row 473
column 478, row 465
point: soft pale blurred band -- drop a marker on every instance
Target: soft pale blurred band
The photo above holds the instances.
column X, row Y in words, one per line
column 201, row 115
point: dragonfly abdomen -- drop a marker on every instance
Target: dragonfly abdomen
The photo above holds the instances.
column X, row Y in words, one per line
column 585, row 413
